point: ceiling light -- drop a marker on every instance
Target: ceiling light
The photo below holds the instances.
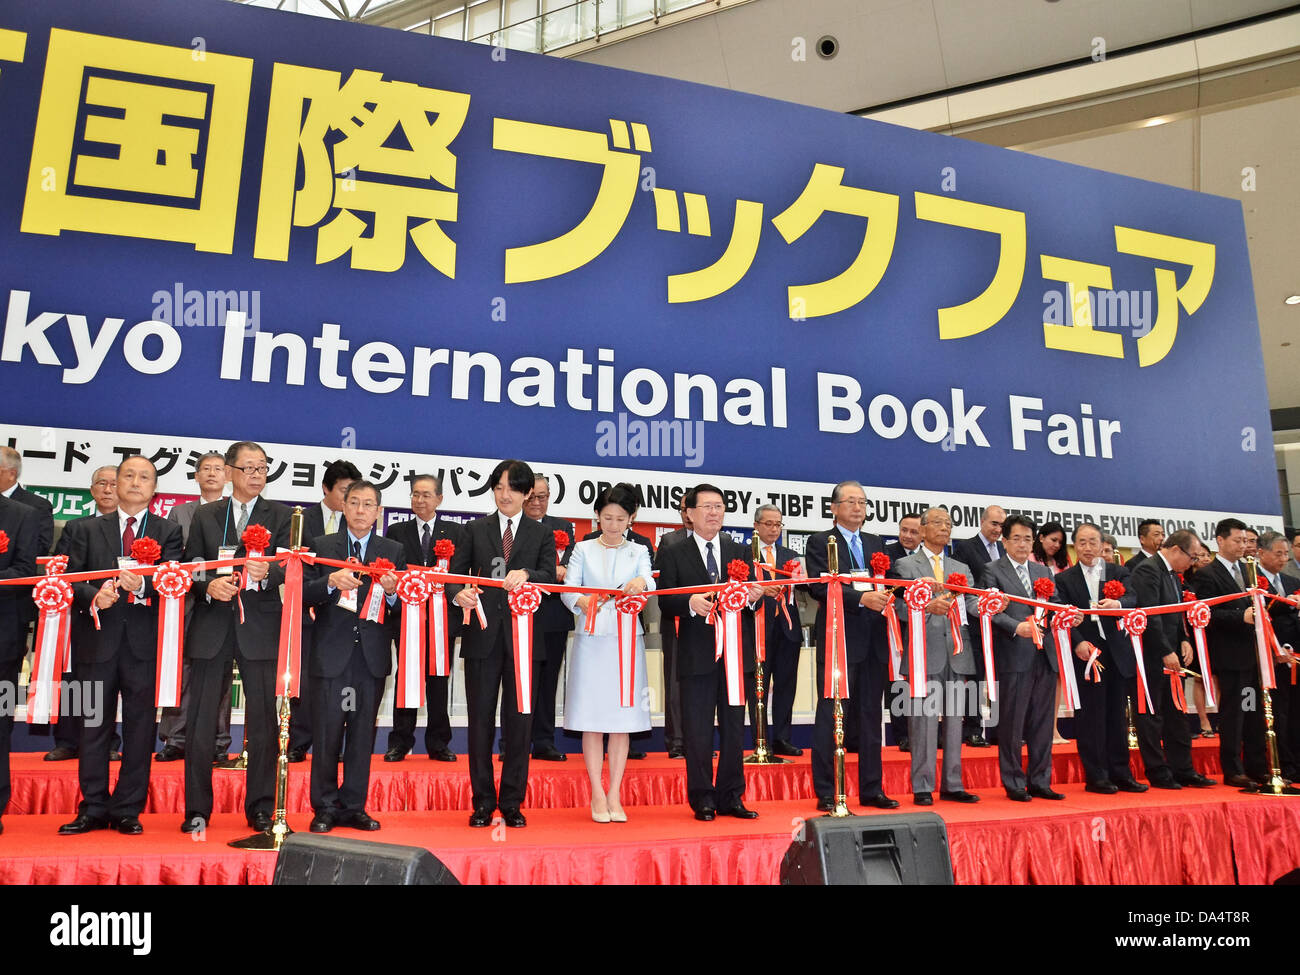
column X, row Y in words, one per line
column 1292, row 300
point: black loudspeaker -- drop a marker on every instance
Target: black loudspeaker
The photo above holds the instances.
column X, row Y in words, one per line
column 869, row 850
column 309, row 860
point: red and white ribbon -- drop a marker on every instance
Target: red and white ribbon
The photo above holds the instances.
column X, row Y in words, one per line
column 728, row 642
column 523, row 602
column 990, row 605
column 53, row 596
column 171, row 583
column 1267, row 677
column 955, row 623
column 627, row 607
column 1134, row 624
column 1092, row 670
column 917, row 595
column 1064, row 620
column 760, row 614
column 1176, row 689
column 1198, row 618
column 835, row 658
column 251, row 584
column 895, row 634
column 408, row 684
column 288, row 674
column 440, row 626
column 373, row 610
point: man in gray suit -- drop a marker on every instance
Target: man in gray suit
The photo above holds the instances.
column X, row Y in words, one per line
column 947, row 675
column 210, row 478
column 1026, row 673
column 1292, row 566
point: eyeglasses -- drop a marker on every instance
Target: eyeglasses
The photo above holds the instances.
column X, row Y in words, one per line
column 771, row 524
column 363, row 505
column 711, row 507
column 252, row 469
column 424, row 495
column 856, row 502
column 103, row 483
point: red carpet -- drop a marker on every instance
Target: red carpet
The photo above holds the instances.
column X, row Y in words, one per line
column 1207, row 836
column 418, row 784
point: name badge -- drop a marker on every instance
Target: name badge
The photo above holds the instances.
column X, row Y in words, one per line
column 348, row 599
column 126, row 562
column 861, row 586
column 223, row 553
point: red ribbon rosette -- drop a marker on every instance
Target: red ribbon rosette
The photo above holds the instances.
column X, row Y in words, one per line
column 737, row 570
column 444, row 549
column 880, row 563
column 54, row 565
column 53, row 597
column 1134, row 624
column 413, row 589
column 374, row 608
column 957, row 611
column 627, row 607
column 1044, row 588
column 727, row 640
column 917, row 596
column 958, row 579
column 1114, row 589
column 1198, row 618
column 993, row 602
column 990, row 604
column 561, row 542
column 523, row 602
column 172, row 582
column 145, row 550
column 256, row 538
column 1063, row 621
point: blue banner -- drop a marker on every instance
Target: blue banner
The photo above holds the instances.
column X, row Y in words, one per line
column 237, row 222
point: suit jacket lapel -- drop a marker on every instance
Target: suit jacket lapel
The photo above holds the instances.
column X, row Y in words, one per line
column 112, row 540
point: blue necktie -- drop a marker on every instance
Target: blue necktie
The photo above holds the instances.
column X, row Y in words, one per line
column 710, row 562
column 855, row 546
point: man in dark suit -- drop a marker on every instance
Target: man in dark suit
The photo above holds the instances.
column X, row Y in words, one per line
column 1274, row 553
column 703, row 559
column 1027, row 674
column 11, row 468
column 1164, row 736
column 350, row 657
column 1151, row 536
column 978, row 551
column 419, row 537
column 1231, row 639
column 866, row 645
column 784, row 637
column 510, row 546
column 554, row 622
column 120, row 656
column 210, row 479
column 18, row 525
column 216, row 636
column 67, row 731
column 668, row 625
column 325, row 518
column 1101, row 722
column 909, row 538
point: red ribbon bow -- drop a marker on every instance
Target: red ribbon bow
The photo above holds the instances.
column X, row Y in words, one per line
column 172, row 582
column 917, row 596
column 523, row 602
column 53, row 596
column 145, row 551
column 444, row 549
column 1114, row 589
column 256, row 538
column 413, row 589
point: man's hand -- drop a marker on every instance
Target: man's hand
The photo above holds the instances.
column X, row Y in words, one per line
column 939, row 605
column 773, row 591
column 1170, row 660
column 1026, row 628
column 515, row 578
column 128, row 581
column 701, row 604
column 222, row 589
column 754, row 591
column 1108, row 604
column 389, row 582
column 344, row 579
column 560, row 572
column 1186, row 650
column 1249, row 617
column 1084, row 650
column 257, row 571
column 875, row 600
column 106, row 597
column 466, row 598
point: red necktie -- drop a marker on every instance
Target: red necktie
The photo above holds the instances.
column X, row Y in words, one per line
column 507, row 541
column 128, row 535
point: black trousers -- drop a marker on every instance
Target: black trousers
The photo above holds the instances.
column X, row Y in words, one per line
column 171, row 729
column 437, row 731
column 780, row 674
column 1101, row 724
column 1027, row 705
column 971, row 723
column 260, row 722
column 487, row 680
column 9, row 676
column 67, row 730
column 703, row 696
column 345, row 708
column 1241, row 722
column 133, row 679
column 546, row 687
column 867, row 683
column 1165, row 738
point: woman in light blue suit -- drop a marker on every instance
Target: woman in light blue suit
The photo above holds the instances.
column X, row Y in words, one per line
column 592, row 696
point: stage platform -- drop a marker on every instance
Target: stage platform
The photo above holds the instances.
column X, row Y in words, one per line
column 1194, row 836
column 418, row 784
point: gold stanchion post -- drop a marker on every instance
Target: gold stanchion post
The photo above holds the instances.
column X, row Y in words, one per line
column 761, row 756
column 1276, row 785
column 841, row 808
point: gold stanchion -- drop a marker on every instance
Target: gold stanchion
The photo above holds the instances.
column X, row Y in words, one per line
column 1276, row 785
column 761, row 756
column 1132, row 728
column 272, row 838
column 841, row 808
column 240, row 762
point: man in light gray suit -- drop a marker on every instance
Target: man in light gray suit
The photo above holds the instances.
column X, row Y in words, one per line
column 947, row 675
column 1026, row 673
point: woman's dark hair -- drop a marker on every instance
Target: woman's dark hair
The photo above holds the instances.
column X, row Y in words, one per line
column 623, row 495
column 1062, row 556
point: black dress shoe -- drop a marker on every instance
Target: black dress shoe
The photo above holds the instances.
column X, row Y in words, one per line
column 359, row 820
column 514, row 818
column 296, row 755
column 635, row 754
column 1044, row 792
column 170, row 753
column 1197, row 781
column 825, row 804
column 443, row 755
column 961, row 795
column 738, row 811
column 60, row 754
column 128, row 826
column 783, row 747
column 904, row 744
column 1164, row 783
column 481, row 817
column 676, row 751
column 880, row 801
column 706, row 815
column 194, row 824
column 922, row 799
column 394, row 754
column 323, row 822
column 260, row 822
column 1017, row 795
column 1105, row 787
column 977, row 741
column 549, row 753
column 83, row 824
column 1130, row 785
